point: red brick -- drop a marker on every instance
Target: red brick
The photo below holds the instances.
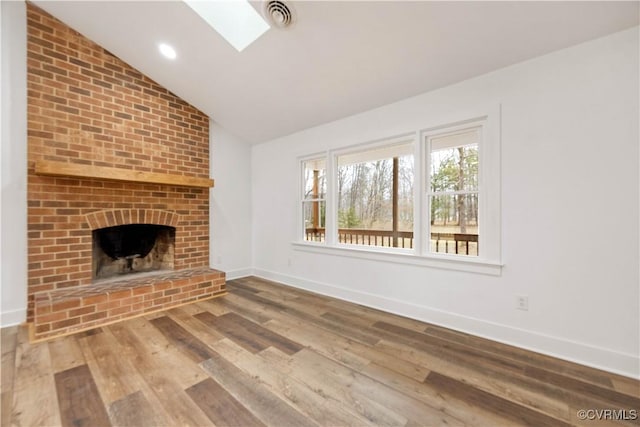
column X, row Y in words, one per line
column 125, row 293
column 53, row 317
column 108, row 305
column 95, row 299
column 161, row 301
column 124, row 111
column 142, row 290
column 43, row 328
column 171, row 291
column 132, row 300
column 119, row 311
column 142, row 306
column 81, row 311
column 94, row 316
column 65, row 305
column 65, row 323
column 162, row 286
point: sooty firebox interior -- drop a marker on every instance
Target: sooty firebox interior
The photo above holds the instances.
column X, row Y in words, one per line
column 132, row 248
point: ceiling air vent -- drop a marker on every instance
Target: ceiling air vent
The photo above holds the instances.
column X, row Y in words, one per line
column 278, row 13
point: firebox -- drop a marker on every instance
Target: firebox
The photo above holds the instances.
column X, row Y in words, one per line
column 132, row 248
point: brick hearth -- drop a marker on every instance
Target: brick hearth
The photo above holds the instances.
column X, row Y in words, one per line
column 84, row 307
column 88, row 108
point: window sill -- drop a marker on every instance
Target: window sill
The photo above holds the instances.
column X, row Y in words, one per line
column 404, row 256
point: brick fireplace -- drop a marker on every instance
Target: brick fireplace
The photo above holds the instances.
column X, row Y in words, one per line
column 108, row 147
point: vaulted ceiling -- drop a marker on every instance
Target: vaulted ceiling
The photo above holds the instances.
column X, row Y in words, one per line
column 339, row 58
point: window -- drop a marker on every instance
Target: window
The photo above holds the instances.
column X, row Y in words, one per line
column 433, row 203
column 452, row 191
column 314, row 205
column 375, row 196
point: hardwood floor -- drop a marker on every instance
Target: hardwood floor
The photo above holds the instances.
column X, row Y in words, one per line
column 270, row 355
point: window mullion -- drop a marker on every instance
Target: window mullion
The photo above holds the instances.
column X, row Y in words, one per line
column 300, row 224
column 427, row 202
column 452, row 193
column 422, row 222
column 331, row 219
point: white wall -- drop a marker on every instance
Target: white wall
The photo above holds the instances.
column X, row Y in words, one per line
column 569, row 209
column 230, row 211
column 13, row 160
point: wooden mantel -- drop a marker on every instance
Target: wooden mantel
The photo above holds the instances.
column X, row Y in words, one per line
column 53, row 168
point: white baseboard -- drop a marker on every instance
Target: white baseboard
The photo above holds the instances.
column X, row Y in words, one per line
column 237, row 274
column 13, row 317
column 600, row 358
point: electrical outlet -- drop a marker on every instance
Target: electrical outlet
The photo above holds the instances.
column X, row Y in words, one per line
column 522, row 302
column 219, row 260
column 289, row 262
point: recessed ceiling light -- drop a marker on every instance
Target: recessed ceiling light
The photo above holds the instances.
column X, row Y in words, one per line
column 167, row 51
column 237, row 21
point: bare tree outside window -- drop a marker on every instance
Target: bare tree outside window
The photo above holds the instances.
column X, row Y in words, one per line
column 375, row 197
column 453, row 195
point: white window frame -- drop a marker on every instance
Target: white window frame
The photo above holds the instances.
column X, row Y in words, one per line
column 488, row 260
column 427, row 137
column 334, row 154
column 301, row 200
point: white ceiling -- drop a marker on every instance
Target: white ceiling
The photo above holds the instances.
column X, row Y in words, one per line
column 340, row 58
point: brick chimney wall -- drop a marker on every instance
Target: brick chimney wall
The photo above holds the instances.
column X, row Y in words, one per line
column 88, row 107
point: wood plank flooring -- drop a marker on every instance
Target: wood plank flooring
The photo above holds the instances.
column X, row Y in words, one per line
column 271, row 355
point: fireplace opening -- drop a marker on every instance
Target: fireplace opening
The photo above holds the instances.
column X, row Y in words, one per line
column 132, row 248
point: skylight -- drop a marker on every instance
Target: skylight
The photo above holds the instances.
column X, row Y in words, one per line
column 235, row 20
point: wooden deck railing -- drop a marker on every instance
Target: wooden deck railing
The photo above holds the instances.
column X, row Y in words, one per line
column 456, row 238
column 399, row 239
